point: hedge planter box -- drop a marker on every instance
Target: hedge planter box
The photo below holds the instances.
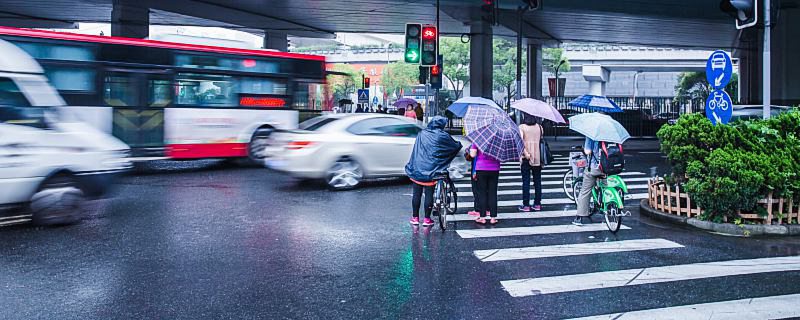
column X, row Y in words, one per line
column 671, row 200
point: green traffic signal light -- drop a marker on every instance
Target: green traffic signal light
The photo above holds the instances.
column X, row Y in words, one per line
column 412, row 56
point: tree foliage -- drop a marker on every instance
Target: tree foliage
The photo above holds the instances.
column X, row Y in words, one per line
column 399, row 75
column 505, row 68
column 693, row 85
column 552, row 57
column 456, row 63
column 343, row 85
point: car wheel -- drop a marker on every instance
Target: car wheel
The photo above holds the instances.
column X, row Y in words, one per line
column 257, row 148
column 58, row 201
column 345, row 174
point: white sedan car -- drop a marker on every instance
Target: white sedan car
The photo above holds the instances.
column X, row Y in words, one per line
column 345, row 149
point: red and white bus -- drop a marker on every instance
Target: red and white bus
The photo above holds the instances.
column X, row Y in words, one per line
column 179, row 101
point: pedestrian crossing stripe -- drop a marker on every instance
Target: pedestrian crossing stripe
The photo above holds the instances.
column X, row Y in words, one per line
column 565, row 200
column 574, row 249
column 516, row 170
column 640, row 276
column 773, row 307
column 549, row 190
column 530, row 231
column 517, row 175
column 519, row 215
column 544, row 183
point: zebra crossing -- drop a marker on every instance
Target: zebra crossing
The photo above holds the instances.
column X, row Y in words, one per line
column 558, row 209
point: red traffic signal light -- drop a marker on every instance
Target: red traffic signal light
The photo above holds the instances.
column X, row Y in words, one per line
column 366, row 83
column 429, row 33
column 435, row 70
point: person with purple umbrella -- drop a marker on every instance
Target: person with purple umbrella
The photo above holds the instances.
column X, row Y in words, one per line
column 531, row 162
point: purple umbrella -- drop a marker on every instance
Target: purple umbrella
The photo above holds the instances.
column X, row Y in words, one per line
column 404, row 102
column 539, row 109
column 493, row 133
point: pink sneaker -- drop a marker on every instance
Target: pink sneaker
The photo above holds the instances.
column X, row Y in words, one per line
column 473, row 213
column 428, row 222
column 537, row 208
column 414, row 221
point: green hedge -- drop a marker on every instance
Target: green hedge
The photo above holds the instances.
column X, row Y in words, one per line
column 730, row 167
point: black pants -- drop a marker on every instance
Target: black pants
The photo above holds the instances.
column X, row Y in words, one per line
column 417, row 198
column 527, row 169
column 487, row 192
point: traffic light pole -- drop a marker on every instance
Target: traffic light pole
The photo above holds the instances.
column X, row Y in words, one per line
column 438, row 31
column 767, row 64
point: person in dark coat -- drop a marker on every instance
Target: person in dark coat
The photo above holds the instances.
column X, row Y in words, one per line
column 433, row 151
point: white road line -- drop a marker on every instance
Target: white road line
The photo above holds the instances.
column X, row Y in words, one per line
column 565, row 200
column 633, row 277
column 574, row 249
column 549, row 190
column 530, row 231
column 774, row 307
column 516, row 169
column 520, row 215
column 517, row 175
column 544, row 183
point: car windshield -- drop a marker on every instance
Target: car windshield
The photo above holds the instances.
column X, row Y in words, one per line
column 316, row 123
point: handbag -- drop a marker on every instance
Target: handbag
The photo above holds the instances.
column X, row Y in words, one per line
column 546, row 157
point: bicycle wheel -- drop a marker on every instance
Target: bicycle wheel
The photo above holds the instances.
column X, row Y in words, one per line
column 451, row 201
column 576, row 189
column 568, row 185
column 613, row 217
column 441, row 205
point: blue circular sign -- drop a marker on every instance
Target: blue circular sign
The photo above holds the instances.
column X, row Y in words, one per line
column 719, row 107
column 719, row 69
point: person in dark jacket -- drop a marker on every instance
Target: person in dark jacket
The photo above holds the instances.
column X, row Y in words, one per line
column 433, row 151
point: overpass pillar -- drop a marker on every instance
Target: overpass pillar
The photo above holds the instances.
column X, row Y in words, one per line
column 535, row 70
column 481, row 60
column 130, row 20
column 597, row 77
column 276, row 41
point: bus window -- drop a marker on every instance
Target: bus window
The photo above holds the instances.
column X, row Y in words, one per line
column 262, row 86
column 206, row 90
column 309, row 96
column 70, row 78
column 159, row 93
column 121, row 91
column 56, row 52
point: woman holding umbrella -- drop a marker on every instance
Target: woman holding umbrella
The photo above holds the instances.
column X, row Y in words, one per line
column 532, row 133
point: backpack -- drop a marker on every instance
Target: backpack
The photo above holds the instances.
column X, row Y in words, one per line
column 612, row 159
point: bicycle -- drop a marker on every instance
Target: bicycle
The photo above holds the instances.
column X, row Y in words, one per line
column 607, row 196
column 445, row 198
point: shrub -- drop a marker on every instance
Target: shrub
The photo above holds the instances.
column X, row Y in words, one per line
column 725, row 183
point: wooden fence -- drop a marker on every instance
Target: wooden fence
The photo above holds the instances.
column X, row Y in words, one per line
column 671, row 199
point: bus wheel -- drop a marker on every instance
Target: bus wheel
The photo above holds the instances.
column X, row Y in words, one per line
column 257, row 148
column 58, row 201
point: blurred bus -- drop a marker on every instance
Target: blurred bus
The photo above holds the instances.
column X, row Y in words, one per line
column 178, row 101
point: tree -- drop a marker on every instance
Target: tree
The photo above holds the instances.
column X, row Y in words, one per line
column 456, row 63
column 343, row 85
column 505, row 68
column 399, row 75
column 693, row 85
column 552, row 57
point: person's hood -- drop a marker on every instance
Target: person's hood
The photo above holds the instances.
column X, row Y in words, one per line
column 438, row 122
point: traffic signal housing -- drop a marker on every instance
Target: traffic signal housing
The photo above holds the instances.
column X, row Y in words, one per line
column 430, row 50
column 744, row 11
column 366, row 83
column 423, row 75
column 413, row 41
column 490, row 10
column 436, row 74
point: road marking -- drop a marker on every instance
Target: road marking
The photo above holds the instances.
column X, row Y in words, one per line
column 774, row 307
column 639, row 276
column 549, row 190
column 520, row 215
column 530, row 231
column 574, row 249
column 544, row 183
column 516, row 169
column 517, row 175
column 508, row 203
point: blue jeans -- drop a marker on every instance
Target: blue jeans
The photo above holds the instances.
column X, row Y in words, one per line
column 527, row 169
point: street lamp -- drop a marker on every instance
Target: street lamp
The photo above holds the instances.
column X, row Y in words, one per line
column 558, row 67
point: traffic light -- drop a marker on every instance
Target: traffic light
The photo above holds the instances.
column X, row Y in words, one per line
column 490, row 9
column 436, row 74
column 423, row 75
column 744, row 11
column 366, row 83
column 429, row 47
column 413, row 39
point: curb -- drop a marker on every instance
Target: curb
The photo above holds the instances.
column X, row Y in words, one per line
column 731, row 229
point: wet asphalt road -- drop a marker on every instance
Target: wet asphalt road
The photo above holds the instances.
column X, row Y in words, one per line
column 207, row 240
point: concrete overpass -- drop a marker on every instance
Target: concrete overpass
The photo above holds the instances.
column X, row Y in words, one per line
column 675, row 23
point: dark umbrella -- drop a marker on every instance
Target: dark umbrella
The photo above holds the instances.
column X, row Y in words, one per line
column 345, row 101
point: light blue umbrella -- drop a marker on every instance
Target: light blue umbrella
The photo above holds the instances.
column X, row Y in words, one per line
column 595, row 103
column 599, row 127
column 460, row 106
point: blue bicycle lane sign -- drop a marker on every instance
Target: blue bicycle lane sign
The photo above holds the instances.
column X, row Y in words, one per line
column 719, row 107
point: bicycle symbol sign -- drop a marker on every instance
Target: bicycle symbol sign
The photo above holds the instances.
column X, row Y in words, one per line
column 719, row 107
